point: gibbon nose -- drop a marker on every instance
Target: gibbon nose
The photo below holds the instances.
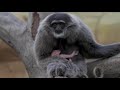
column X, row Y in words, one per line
column 58, row 31
column 58, row 27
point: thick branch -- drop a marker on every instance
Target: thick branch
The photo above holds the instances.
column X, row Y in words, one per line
column 14, row 32
column 34, row 20
column 105, row 68
column 10, row 27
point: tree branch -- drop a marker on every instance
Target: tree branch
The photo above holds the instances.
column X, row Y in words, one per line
column 34, row 20
column 17, row 34
column 14, row 33
column 105, row 68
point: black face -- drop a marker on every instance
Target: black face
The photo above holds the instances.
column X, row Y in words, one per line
column 59, row 22
column 58, row 26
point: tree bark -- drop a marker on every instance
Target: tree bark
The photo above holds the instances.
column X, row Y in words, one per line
column 17, row 34
column 105, row 68
column 34, row 21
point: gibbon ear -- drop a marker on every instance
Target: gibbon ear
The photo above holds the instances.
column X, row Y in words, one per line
column 34, row 21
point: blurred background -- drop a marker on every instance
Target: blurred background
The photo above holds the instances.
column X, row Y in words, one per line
column 104, row 25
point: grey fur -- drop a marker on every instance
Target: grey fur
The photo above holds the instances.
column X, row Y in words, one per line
column 79, row 32
column 65, row 69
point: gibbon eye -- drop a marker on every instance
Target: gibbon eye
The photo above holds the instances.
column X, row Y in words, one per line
column 54, row 25
column 62, row 24
column 58, row 24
